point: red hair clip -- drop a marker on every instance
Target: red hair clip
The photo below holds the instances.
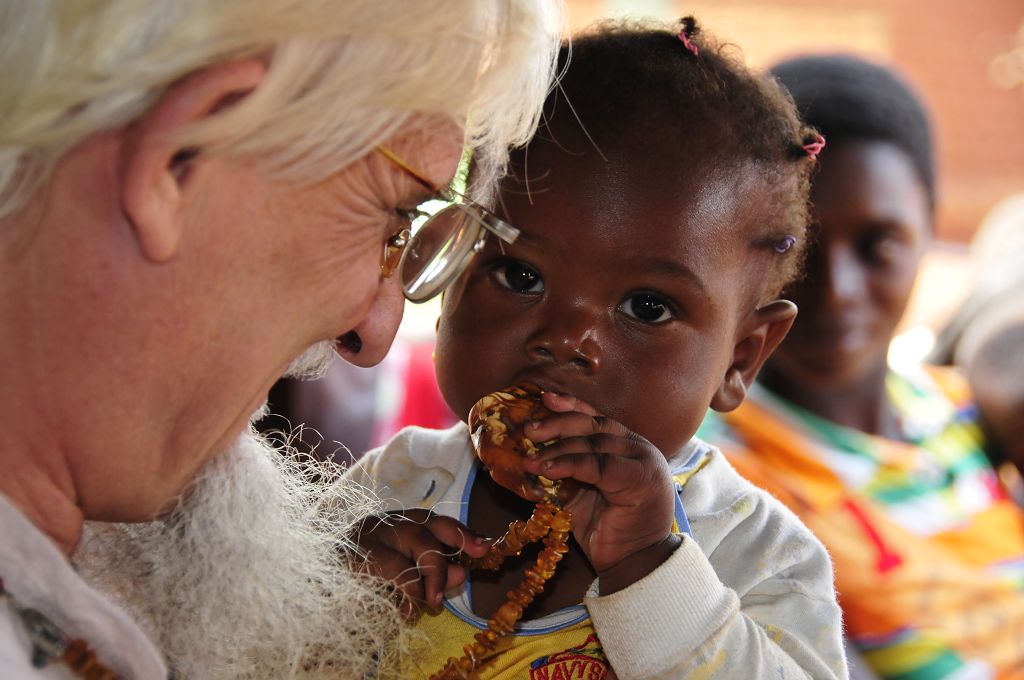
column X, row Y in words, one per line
column 815, row 147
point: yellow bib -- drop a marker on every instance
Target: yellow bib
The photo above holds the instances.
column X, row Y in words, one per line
column 553, row 653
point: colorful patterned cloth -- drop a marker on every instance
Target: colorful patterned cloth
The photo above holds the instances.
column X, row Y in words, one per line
column 927, row 547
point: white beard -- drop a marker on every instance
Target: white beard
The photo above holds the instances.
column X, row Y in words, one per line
column 312, row 364
column 250, row 576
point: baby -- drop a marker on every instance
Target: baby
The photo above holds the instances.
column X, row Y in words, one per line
column 660, row 210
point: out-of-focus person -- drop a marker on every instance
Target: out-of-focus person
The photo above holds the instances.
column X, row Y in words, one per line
column 887, row 468
column 197, row 197
column 995, row 372
column 985, row 337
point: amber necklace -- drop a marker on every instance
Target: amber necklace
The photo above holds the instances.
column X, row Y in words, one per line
column 549, row 522
column 496, row 423
column 50, row 643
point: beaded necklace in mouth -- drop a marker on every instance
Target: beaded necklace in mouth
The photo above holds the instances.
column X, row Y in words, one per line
column 51, row 644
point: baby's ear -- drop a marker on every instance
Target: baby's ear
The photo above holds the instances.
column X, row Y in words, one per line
column 762, row 333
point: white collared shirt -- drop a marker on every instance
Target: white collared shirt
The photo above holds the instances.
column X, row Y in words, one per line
column 37, row 574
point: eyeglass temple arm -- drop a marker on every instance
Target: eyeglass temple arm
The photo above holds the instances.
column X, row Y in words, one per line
column 390, row 155
column 497, row 226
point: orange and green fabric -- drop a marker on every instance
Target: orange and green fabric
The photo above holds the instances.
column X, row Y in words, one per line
column 927, row 546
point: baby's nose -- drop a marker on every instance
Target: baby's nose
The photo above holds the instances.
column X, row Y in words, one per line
column 571, row 339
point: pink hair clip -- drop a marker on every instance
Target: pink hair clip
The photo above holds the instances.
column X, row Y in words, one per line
column 815, row 147
column 686, row 32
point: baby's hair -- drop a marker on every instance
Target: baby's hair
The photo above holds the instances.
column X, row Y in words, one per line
column 847, row 98
column 673, row 90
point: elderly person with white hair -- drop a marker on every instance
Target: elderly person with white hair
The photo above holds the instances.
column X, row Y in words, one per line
column 197, row 197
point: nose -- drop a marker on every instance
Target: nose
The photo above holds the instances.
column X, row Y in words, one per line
column 376, row 332
column 839, row 276
column 570, row 339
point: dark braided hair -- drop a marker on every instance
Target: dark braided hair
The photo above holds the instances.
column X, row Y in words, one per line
column 675, row 93
column 847, row 98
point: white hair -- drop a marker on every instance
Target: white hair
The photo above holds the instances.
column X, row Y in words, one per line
column 343, row 75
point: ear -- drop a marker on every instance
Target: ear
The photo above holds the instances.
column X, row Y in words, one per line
column 155, row 168
column 766, row 328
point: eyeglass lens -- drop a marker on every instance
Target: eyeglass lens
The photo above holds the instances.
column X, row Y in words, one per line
column 438, row 251
column 393, row 249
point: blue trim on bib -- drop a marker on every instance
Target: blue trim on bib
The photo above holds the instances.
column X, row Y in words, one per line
column 463, row 516
column 524, row 628
column 682, row 523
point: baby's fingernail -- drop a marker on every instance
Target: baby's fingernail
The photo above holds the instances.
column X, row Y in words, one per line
column 437, row 599
column 547, row 465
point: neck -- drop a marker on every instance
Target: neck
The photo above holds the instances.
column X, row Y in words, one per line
column 43, row 503
column 862, row 404
column 36, row 476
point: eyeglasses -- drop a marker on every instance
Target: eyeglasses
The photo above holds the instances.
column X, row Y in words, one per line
column 441, row 247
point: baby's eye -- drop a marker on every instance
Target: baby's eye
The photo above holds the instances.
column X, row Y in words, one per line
column 519, row 277
column 647, row 307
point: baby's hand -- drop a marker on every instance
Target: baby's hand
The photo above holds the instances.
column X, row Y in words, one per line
column 411, row 549
column 623, row 518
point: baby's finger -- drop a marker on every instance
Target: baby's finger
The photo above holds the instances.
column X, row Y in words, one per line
column 403, row 576
column 456, row 577
column 566, row 402
column 564, row 426
column 439, row 574
column 409, row 592
column 454, row 533
column 611, row 474
column 435, row 573
column 426, row 556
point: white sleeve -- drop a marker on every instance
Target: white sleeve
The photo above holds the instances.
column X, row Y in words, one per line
column 682, row 621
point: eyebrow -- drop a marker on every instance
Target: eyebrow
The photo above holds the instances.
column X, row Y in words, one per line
column 660, row 265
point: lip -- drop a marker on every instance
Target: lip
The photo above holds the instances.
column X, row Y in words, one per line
column 546, row 383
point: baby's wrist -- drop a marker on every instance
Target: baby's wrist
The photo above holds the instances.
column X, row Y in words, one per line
column 637, row 565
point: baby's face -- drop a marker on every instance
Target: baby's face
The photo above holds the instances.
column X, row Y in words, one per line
column 624, row 289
